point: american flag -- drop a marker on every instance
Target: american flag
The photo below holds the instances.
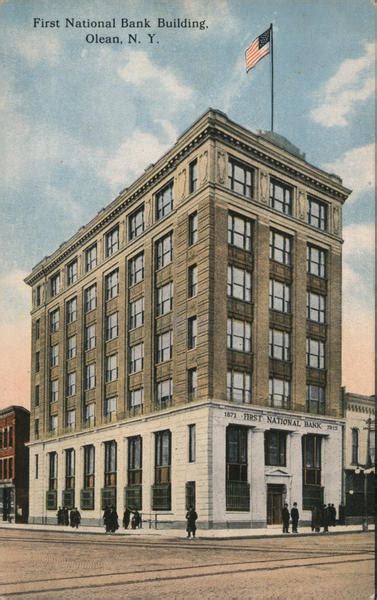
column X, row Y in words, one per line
column 259, row 48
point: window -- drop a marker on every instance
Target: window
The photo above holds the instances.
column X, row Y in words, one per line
column 192, row 281
column 36, row 395
column 239, row 386
column 54, row 390
column 135, row 445
column 112, row 285
column 38, row 295
column 192, row 443
column 53, row 423
column 355, row 446
column 36, row 466
column 239, row 232
column 55, row 285
column 90, row 376
column 5, row 432
column 279, row 393
column 71, row 384
column 110, row 464
column 162, row 456
column 164, row 251
column 90, row 298
column 280, row 296
column 54, row 320
column 165, row 299
column 89, row 466
column 192, row 383
column 72, row 272
column 136, row 313
column 71, row 419
column 317, row 213
column 10, row 437
column 111, row 368
column 316, row 261
column 71, row 347
column 193, row 228
column 54, row 355
column 37, row 361
column 69, row 469
column 279, row 344
column 275, row 448
column 136, row 269
column 164, row 201
column 36, row 429
column 91, row 258
column 136, row 358
column 165, row 346
column 280, row 247
column 164, row 392
column 52, row 471
column 239, row 283
column 90, row 337
column 193, row 176
column 311, row 446
column 136, row 398
column 315, row 307
column 111, row 326
column 315, row 399
column 89, row 416
column 37, row 329
column 280, row 197
column 112, row 241
column 240, row 178
column 136, row 223
column 239, row 335
column 237, row 487
column 192, row 327
column 315, row 354
column 110, row 407
column 71, row 310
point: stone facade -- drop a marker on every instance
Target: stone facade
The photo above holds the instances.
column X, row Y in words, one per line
column 216, row 177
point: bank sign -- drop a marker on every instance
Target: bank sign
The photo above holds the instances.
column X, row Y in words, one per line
column 276, row 419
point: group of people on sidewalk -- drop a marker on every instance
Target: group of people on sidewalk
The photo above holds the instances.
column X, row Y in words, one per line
column 111, row 519
column 322, row 516
column 72, row 518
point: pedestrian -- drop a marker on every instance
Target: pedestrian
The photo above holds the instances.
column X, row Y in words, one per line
column 325, row 518
column 295, row 517
column 285, row 517
column 333, row 514
column 114, row 524
column 76, row 518
column 126, row 517
column 342, row 515
column 59, row 516
column 191, row 517
column 316, row 519
column 136, row 519
column 65, row 516
column 106, row 518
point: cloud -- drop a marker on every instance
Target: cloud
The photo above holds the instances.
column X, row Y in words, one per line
column 356, row 167
column 140, row 71
column 134, row 155
column 38, row 47
column 352, row 83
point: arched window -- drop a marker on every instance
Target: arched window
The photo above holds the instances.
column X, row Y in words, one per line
column 355, row 446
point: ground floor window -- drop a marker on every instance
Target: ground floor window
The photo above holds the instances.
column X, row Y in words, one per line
column 312, row 471
column 237, row 486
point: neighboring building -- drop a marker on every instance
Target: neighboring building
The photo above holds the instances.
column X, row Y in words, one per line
column 360, row 453
column 14, row 464
column 186, row 343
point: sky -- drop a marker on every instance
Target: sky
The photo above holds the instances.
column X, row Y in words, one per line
column 81, row 120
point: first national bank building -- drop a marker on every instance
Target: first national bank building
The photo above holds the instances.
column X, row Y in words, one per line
column 186, row 342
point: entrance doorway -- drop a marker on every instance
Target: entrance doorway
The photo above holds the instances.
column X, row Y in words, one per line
column 275, row 501
column 7, row 503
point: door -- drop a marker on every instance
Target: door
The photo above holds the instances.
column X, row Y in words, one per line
column 275, row 501
column 6, row 503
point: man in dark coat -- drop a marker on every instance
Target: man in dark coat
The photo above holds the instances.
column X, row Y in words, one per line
column 295, row 517
column 114, row 524
column 76, row 518
column 285, row 518
column 333, row 515
column 191, row 517
column 136, row 519
column 316, row 519
column 59, row 515
column 106, row 518
column 325, row 518
column 126, row 517
column 65, row 516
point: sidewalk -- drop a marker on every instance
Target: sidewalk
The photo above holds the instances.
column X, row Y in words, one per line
column 203, row 534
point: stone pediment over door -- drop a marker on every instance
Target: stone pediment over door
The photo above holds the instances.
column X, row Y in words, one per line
column 277, row 473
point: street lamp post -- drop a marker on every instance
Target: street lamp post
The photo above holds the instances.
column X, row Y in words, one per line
column 362, row 470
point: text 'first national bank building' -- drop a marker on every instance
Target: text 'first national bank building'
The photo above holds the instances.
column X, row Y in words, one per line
column 186, row 343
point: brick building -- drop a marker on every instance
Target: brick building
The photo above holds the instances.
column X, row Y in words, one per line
column 186, row 342
column 14, row 463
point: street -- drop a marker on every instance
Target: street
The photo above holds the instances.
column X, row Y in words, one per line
column 56, row 565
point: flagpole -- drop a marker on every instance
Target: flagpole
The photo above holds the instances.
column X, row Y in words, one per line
column 272, row 78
